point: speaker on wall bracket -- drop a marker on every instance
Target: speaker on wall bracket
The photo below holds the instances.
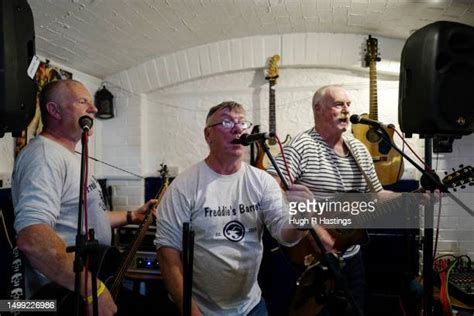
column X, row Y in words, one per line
column 17, row 49
column 437, row 81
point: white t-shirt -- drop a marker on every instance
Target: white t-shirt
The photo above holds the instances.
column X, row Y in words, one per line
column 228, row 213
column 45, row 190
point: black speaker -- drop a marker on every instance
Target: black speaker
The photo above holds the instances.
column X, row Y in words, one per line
column 436, row 80
column 17, row 48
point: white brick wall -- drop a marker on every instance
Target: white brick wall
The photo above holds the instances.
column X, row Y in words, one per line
column 342, row 51
column 174, row 109
column 127, row 192
column 161, row 106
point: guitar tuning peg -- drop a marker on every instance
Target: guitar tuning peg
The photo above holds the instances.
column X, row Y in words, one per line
column 463, row 186
column 445, row 173
column 454, row 170
column 455, row 190
column 461, row 166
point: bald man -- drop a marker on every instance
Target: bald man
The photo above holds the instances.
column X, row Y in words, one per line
column 319, row 158
column 45, row 192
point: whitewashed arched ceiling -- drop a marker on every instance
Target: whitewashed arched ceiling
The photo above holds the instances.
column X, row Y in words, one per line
column 103, row 37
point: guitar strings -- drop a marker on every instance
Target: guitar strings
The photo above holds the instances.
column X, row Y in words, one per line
column 139, row 238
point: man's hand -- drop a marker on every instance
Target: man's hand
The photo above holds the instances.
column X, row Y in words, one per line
column 299, row 193
column 326, row 238
column 139, row 214
column 430, row 197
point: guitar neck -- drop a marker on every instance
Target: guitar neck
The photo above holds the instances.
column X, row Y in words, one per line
column 130, row 253
column 388, row 207
column 272, row 112
column 373, row 112
column 133, row 247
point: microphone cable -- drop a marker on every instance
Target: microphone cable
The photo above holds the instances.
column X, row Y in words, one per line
column 285, row 162
column 112, row 166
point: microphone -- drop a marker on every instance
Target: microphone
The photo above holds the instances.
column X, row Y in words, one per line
column 356, row 119
column 247, row 139
column 85, row 122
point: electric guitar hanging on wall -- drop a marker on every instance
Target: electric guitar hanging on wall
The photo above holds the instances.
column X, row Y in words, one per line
column 388, row 162
column 262, row 160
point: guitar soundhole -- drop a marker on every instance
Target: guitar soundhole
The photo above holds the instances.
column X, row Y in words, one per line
column 384, row 147
column 372, row 136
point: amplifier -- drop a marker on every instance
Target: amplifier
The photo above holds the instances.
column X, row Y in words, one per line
column 126, row 234
column 144, row 262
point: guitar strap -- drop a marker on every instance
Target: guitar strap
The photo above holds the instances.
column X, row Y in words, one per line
column 17, row 275
column 17, row 267
column 366, row 177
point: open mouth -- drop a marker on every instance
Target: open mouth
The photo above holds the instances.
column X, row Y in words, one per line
column 344, row 120
column 235, row 141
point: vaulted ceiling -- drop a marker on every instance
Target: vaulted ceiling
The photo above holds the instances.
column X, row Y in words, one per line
column 102, row 37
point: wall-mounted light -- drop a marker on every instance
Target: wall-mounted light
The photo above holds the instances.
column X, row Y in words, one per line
column 104, row 101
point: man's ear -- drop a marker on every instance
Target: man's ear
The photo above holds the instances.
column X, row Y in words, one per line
column 53, row 109
column 206, row 135
column 317, row 107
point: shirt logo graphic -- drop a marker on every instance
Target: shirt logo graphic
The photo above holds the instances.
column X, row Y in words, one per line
column 234, row 231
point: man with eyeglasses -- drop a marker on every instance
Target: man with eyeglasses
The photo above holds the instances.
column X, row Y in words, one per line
column 228, row 202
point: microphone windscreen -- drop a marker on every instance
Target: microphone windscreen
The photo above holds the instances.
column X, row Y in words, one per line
column 86, row 122
column 240, row 139
column 354, row 119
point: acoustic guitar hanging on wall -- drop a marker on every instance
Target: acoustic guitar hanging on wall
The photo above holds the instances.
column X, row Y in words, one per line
column 262, row 160
column 388, row 162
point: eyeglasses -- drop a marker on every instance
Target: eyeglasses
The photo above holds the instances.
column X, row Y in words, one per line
column 228, row 124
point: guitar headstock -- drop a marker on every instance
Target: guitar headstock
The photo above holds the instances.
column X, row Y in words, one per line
column 459, row 178
column 272, row 71
column 164, row 171
column 371, row 53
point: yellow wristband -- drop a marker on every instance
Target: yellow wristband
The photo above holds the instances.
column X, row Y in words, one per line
column 100, row 290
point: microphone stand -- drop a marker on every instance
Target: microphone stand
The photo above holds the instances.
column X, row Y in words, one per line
column 328, row 258
column 83, row 245
column 428, row 244
column 188, row 254
column 429, row 181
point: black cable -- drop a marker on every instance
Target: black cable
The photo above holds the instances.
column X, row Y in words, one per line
column 112, row 166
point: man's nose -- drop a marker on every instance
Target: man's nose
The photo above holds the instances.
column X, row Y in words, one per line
column 237, row 129
column 92, row 108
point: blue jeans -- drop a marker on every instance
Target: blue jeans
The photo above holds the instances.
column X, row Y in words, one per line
column 259, row 310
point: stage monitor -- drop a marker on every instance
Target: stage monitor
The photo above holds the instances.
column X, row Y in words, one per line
column 436, row 81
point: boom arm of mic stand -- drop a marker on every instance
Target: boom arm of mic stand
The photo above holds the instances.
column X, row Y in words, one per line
column 439, row 185
column 328, row 258
column 272, row 160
